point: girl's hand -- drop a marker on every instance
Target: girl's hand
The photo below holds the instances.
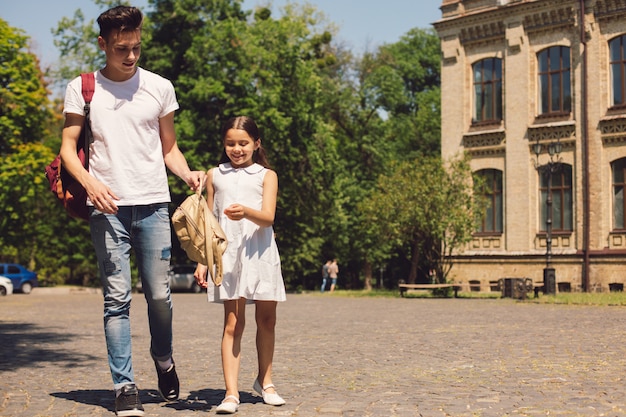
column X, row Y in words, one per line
column 200, row 275
column 235, row 212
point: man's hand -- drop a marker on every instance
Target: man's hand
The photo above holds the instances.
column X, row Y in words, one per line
column 101, row 196
column 195, row 178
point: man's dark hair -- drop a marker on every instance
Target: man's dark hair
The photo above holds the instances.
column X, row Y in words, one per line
column 119, row 19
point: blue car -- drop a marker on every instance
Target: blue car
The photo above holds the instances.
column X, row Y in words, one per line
column 23, row 280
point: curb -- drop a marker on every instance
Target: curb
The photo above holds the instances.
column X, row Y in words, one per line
column 66, row 290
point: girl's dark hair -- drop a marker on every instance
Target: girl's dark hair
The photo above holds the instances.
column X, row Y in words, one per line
column 119, row 19
column 249, row 126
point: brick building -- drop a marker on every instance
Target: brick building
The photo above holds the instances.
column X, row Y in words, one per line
column 535, row 91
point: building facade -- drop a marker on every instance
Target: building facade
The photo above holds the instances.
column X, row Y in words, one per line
column 535, row 92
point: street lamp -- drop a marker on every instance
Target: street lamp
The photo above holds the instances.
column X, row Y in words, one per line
column 548, row 169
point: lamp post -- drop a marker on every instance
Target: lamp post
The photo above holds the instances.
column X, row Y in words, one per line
column 548, row 169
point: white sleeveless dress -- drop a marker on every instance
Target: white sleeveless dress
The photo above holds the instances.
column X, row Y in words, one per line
column 251, row 262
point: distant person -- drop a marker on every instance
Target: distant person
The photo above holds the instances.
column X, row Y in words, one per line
column 333, row 273
column 132, row 119
column 242, row 193
column 325, row 276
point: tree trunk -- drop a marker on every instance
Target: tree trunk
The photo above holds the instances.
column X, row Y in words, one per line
column 415, row 257
column 367, row 270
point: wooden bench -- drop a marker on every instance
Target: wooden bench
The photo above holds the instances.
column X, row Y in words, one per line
column 562, row 286
column 405, row 287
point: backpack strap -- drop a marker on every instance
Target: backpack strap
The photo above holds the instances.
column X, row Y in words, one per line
column 88, row 81
column 89, row 85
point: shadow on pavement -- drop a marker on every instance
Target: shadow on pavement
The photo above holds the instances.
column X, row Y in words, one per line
column 27, row 344
column 101, row 397
column 202, row 400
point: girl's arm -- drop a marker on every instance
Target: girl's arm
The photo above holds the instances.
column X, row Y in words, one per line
column 210, row 191
column 265, row 216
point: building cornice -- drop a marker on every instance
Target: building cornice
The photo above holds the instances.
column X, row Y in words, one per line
column 491, row 23
column 609, row 9
column 485, row 143
column 550, row 19
column 552, row 131
column 613, row 129
column 483, row 32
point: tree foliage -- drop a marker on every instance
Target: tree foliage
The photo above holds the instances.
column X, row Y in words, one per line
column 35, row 230
column 387, row 110
column 426, row 207
column 405, row 78
column 24, row 106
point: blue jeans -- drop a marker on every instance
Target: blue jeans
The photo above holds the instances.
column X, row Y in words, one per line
column 146, row 231
column 323, row 287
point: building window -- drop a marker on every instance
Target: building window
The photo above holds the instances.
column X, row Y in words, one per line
column 554, row 80
column 562, row 201
column 618, row 69
column 491, row 221
column 488, row 90
column 619, row 184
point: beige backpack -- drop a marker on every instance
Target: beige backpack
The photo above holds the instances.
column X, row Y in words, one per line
column 200, row 235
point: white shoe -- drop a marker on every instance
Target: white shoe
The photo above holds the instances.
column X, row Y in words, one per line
column 228, row 407
column 268, row 398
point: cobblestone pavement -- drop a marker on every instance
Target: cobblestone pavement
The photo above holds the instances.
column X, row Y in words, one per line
column 335, row 356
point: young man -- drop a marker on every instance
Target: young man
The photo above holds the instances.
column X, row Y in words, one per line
column 132, row 119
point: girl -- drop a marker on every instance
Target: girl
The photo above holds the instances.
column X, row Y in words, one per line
column 242, row 193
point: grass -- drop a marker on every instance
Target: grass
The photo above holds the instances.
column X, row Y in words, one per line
column 568, row 298
column 359, row 293
column 583, row 298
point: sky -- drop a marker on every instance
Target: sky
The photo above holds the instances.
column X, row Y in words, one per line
column 363, row 24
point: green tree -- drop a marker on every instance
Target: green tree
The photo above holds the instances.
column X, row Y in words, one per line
column 34, row 228
column 404, row 77
column 427, row 208
column 387, row 110
column 24, row 107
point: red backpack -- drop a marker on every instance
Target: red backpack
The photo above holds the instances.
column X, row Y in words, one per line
column 69, row 191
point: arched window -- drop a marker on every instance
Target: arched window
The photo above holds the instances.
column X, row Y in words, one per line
column 491, row 221
column 562, row 199
column 617, row 53
column 619, row 184
column 555, row 91
column 487, row 90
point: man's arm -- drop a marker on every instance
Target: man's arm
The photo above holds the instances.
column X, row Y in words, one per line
column 174, row 159
column 101, row 196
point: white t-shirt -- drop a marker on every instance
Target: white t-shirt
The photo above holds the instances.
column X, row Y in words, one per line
column 126, row 153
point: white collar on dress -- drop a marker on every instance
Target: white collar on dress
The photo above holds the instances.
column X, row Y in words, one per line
column 252, row 169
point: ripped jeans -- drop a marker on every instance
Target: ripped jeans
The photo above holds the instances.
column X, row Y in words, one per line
column 145, row 230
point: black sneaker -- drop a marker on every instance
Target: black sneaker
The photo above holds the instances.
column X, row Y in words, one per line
column 127, row 404
column 169, row 385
